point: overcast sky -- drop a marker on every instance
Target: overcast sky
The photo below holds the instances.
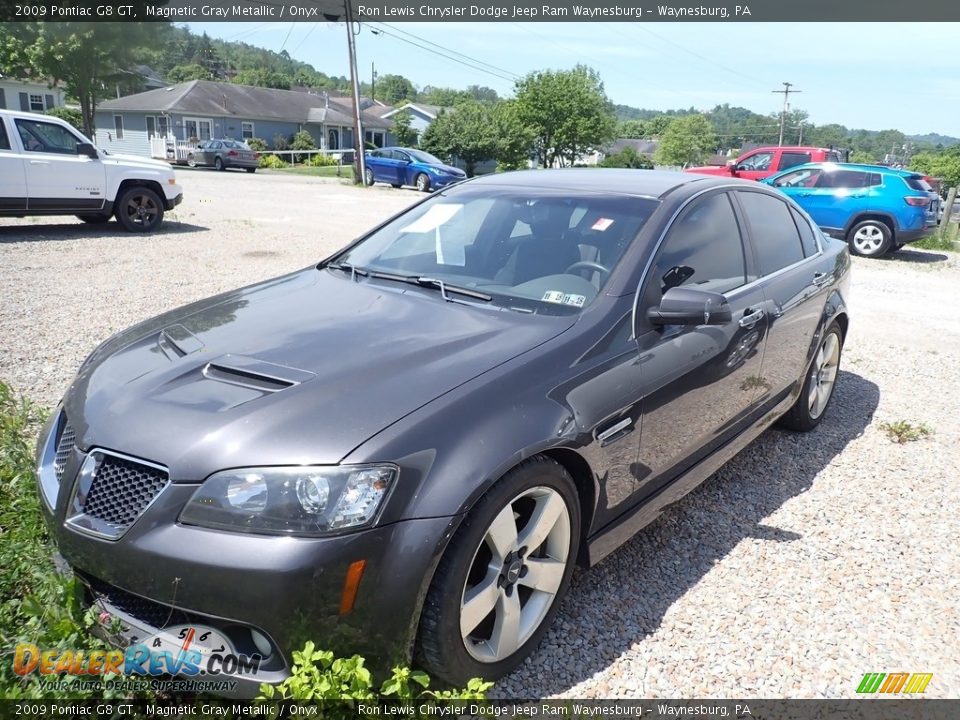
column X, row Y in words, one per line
column 874, row 76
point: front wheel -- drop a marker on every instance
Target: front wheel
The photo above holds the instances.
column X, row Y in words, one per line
column 218, row 164
column 818, row 386
column 139, row 210
column 499, row 584
column 423, row 183
column 870, row 238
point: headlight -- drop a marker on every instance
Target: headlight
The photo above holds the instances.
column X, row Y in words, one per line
column 436, row 171
column 291, row 500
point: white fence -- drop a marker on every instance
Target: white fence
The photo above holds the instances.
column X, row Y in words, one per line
column 176, row 152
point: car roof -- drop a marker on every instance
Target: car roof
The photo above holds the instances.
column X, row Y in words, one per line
column 833, row 166
column 618, row 181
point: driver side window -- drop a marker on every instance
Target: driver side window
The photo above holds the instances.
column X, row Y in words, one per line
column 46, row 137
column 757, row 161
column 703, row 249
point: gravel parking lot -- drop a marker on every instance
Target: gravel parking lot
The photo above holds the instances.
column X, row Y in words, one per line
column 804, row 563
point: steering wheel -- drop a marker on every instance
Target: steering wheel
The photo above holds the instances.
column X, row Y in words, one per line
column 588, row 265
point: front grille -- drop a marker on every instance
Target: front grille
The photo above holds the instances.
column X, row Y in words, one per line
column 121, row 490
column 64, row 449
column 146, row 611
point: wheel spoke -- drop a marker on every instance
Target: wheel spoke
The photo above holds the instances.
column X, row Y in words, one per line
column 549, row 509
column 812, row 397
column 502, row 535
column 505, row 638
column 478, row 602
column 543, row 574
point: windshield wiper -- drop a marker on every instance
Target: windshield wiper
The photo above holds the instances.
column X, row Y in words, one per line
column 443, row 286
column 350, row 268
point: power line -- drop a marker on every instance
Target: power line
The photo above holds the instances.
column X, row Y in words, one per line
column 304, row 38
column 450, row 50
column 292, row 25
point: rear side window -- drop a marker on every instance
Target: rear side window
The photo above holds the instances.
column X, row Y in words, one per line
column 704, row 249
column 775, row 235
column 916, row 182
column 4, row 140
column 845, row 179
column 789, row 159
column 833, row 156
column 807, row 239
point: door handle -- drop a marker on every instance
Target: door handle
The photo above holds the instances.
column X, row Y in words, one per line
column 751, row 319
column 39, row 162
column 821, row 278
column 615, row 431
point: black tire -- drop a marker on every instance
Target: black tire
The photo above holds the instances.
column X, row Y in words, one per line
column 441, row 647
column 870, row 238
column 95, row 219
column 139, row 209
column 804, row 415
column 422, row 182
column 218, row 164
column 191, row 161
column 368, row 176
column 251, row 170
column 895, row 247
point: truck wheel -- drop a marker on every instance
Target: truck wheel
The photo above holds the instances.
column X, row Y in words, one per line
column 94, row 219
column 139, row 210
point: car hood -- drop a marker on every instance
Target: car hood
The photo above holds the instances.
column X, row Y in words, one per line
column 296, row 370
column 708, row 170
column 136, row 161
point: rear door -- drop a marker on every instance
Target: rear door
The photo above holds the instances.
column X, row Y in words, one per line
column 403, row 161
column 699, row 382
column 786, row 251
column 13, row 179
column 792, row 158
column 57, row 177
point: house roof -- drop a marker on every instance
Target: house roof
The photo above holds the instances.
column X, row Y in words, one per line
column 430, row 111
column 219, row 99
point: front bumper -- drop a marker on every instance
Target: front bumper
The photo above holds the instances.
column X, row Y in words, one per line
column 288, row 589
column 172, row 202
column 442, row 181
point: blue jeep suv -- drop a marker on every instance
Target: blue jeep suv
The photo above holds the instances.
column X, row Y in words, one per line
column 876, row 209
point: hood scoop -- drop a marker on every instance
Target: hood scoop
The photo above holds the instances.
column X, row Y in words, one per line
column 254, row 374
column 176, row 341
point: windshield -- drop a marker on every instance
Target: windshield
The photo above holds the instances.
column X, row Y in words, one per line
column 526, row 249
column 425, row 157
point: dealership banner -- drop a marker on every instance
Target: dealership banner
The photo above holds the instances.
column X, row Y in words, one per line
column 866, row 709
column 482, row 11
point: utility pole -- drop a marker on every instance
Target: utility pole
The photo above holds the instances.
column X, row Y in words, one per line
column 373, row 81
column 786, row 106
column 359, row 163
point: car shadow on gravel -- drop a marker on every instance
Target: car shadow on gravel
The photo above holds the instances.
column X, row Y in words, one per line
column 914, row 256
column 79, row 231
column 624, row 599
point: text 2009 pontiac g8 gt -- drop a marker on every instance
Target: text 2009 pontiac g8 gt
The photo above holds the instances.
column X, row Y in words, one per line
column 404, row 450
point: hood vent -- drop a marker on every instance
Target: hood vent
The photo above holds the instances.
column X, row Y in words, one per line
column 176, row 341
column 255, row 374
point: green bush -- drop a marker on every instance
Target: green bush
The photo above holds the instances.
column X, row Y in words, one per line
column 258, row 144
column 318, row 675
column 281, row 142
column 321, row 160
column 272, row 162
column 627, row 158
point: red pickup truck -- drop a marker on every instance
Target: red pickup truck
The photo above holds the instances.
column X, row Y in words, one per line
column 763, row 162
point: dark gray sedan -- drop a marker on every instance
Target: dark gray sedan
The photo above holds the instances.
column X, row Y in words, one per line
column 223, row 154
column 404, row 450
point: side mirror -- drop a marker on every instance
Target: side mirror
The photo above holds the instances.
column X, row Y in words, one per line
column 690, row 306
column 87, row 149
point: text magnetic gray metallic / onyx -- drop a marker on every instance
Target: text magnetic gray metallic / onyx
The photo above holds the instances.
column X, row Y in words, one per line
column 512, row 376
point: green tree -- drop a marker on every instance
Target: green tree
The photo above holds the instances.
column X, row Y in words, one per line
column 861, row 156
column 444, row 97
column 944, row 165
column 88, row 58
column 263, row 78
column 568, row 112
column 402, row 131
column 686, row 141
column 632, row 129
column 465, row 133
column 627, row 158
column 514, row 140
column 395, row 90
column 657, row 125
column 830, row 135
column 70, row 115
column 186, row 73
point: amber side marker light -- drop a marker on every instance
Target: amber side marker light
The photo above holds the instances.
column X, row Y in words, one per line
column 351, row 583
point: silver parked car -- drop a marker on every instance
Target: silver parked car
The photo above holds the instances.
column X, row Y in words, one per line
column 223, row 154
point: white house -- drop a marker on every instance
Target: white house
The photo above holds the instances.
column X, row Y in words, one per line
column 29, row 95
column 421, row 115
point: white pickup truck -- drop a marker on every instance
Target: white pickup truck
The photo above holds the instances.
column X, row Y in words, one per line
column 48, row 168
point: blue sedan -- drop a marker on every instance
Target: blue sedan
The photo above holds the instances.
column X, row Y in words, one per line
column 406, row 166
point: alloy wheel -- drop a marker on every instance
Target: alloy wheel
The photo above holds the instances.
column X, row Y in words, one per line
column 868, row 240
column 823, row 375
column 515, row 574
column 142, row 210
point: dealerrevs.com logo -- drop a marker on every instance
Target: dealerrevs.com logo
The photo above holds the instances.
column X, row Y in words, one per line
column 899, row 682
column 182, row 650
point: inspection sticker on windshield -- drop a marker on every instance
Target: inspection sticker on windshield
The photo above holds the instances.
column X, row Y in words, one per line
column 555, row 296
column 602, row 224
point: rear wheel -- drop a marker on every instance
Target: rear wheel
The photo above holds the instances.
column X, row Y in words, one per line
column 818, row 386
column 870, row 238
column 191, row 160
column 423, row 182
column 139, row 210
column 94, row 219
column 499, row 584
column 251, row 170
column 368, row 176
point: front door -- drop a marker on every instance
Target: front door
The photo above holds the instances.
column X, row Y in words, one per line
column 756, row 165
column 700, row 383
column 13, row 180
column 57, row 177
